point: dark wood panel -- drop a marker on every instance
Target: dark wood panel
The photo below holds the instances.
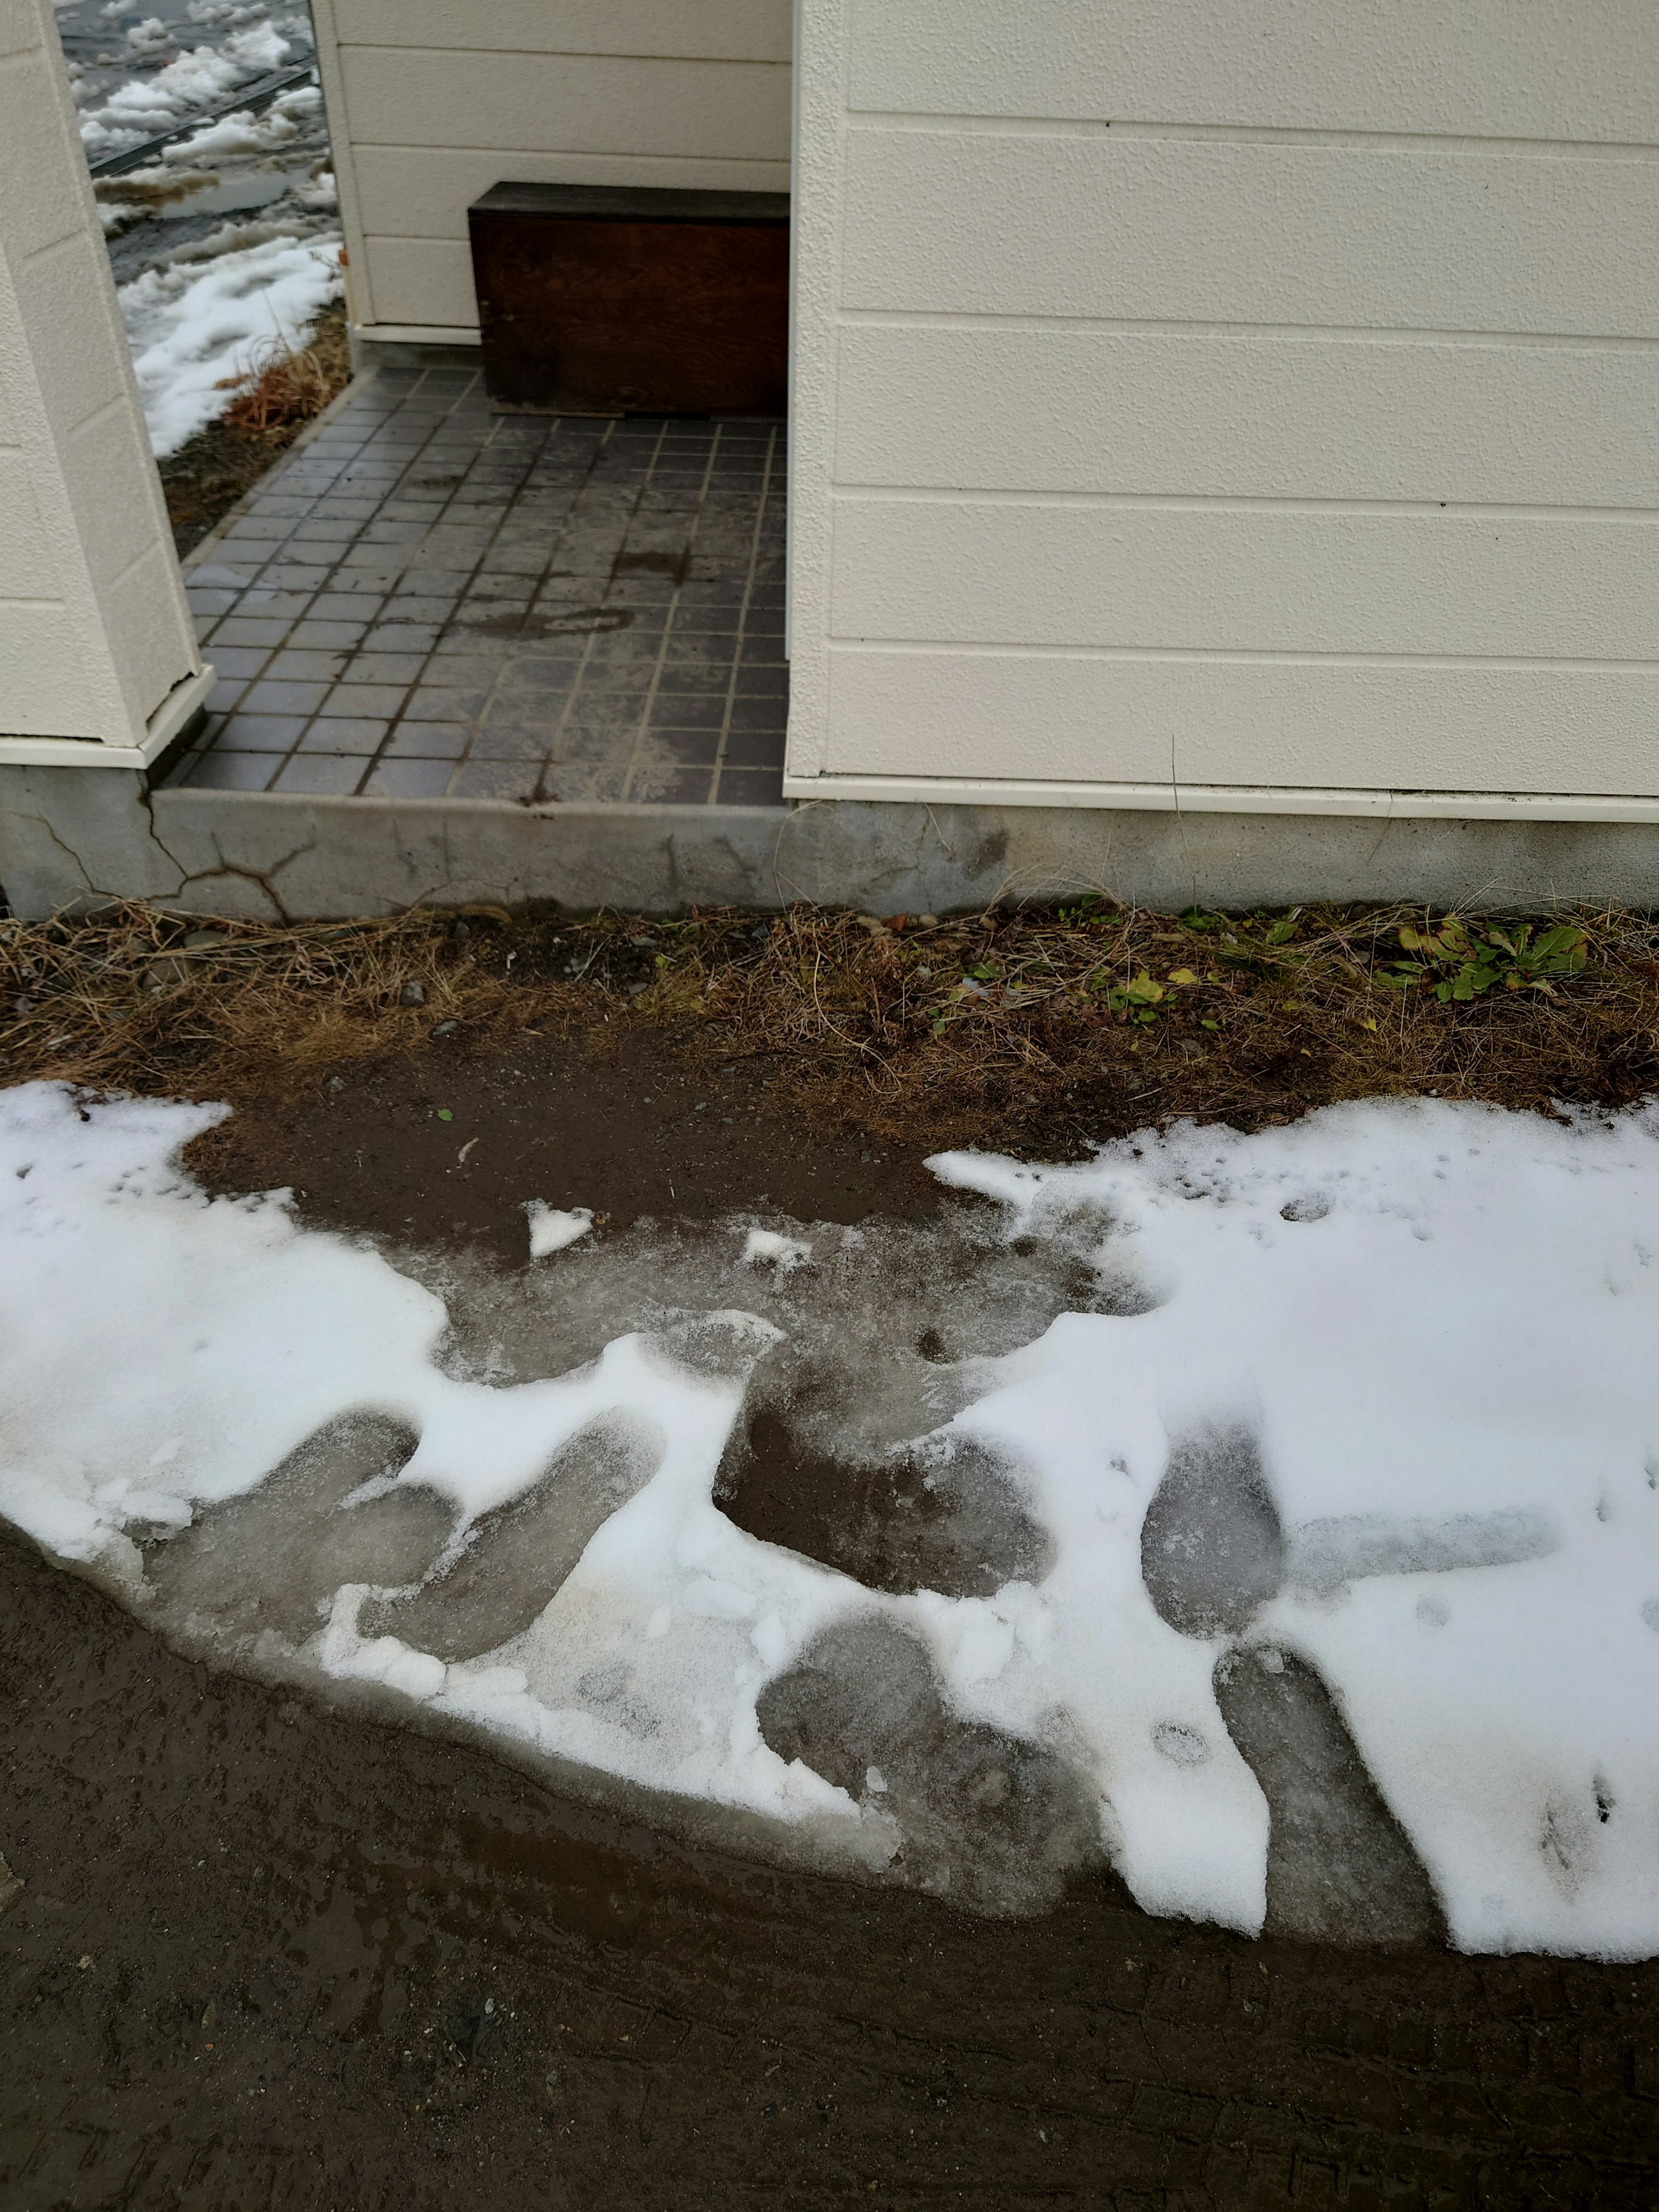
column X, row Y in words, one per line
column 597, row 301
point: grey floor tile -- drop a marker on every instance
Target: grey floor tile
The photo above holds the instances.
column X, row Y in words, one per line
column 223, row 771
column 244, row 661
column 749, row 786
column 754, row 748
column 693, row 678
column 495, row 780
column 321, row 774
column 250, row 630
column 541, row 672
column 457, row 672
column 432, row 703
column 609, row 712
column 258, row 550
column 369, row 667
column 663, row 785
column 386, row 516
column 350, row 697
column 305, row 665
column 260, row 733
column 684, row 748
column 417, row 607
column 208, row 575
column 594, row 781
column 512, row 741
column 343, row 733
column 428, row 741
column 394, row 636
column 271, row 695
column 292, row 576
column 758, row 713
column 681, row 710
column 346, row 606
column 408, row 779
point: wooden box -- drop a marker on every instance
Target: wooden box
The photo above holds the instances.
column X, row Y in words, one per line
column 602, row 300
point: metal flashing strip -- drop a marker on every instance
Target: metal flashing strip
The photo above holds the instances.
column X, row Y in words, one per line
column 171, row 719
column 1222, row 799
column 427, row 334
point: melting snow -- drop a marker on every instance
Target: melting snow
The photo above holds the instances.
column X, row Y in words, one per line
column 551, row 1230
column 1340, row 1449
column 197, row 324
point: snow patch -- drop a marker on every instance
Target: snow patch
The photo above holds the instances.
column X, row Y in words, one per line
column 551, row 1231
column 197, row 325
column 1342, row 1621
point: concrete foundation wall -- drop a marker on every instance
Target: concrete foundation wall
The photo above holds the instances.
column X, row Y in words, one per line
column 71, row 840
column 430, row 103
column 1247, row 401
column 94, row 632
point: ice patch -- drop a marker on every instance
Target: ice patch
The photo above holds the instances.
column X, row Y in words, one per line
column 551, row 1231
column 1274, row 1514
column 765, row 1248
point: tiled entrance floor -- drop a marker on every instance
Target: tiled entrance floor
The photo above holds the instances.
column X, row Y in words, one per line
column 429, row 599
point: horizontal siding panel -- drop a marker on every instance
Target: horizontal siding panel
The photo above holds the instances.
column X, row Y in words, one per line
column 407, row 194
column 1244, row 580
column 713, row 30
column 1493, row 69
column 1330, row 727
column 975, row 223
column 39, row 212
column 423, row 280
column 44, row 687
column 580, row 103
column 1155, row 412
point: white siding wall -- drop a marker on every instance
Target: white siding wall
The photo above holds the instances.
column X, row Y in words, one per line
column 430, row 103
column 1259, row 400
column 94, row 631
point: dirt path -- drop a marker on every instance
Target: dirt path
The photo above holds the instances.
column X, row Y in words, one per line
column 272, row 1956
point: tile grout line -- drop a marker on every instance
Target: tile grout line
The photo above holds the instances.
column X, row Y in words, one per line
column 539, row 795
column 431, row 654
column 350, row 653
column 378, row 759
column 492, row 690
column 742, row 618
column 204, row 645
column 634, row 762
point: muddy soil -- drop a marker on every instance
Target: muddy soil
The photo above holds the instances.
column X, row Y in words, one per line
column 267, row 1955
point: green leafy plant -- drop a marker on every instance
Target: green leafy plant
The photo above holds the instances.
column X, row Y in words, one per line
column 1140, row 1000
column 1459, row 964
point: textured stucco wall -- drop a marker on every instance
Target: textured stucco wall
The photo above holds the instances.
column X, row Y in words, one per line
column 94, row 631
column 430, row 104
column 1248, row 402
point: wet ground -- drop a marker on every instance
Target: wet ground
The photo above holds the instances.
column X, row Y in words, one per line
column 269, row 1955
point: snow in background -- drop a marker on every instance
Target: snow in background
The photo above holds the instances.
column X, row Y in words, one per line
column 196, row 324
column 227, row 243
column 1437, row 1323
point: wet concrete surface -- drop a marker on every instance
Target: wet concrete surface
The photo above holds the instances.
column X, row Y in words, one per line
column 270, row 1955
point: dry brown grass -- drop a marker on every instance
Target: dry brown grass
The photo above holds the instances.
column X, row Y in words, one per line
column 205, row 479
column 285, row 386
column 886, row 1029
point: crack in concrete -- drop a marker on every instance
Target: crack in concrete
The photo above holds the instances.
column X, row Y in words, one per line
column 68, row 851
column 265, row 880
